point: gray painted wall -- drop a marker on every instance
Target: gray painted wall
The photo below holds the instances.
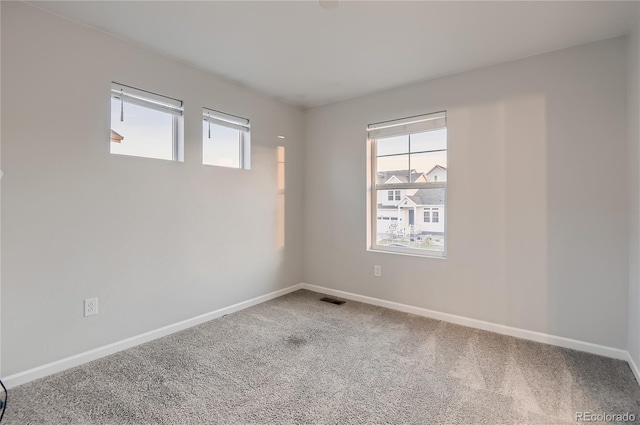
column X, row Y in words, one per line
column 634, row 192
column 537, row 201
column 156, row 241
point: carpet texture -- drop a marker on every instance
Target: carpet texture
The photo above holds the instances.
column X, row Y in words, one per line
column 296, row 360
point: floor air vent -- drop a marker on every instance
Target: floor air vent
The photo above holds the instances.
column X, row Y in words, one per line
column 332, row 300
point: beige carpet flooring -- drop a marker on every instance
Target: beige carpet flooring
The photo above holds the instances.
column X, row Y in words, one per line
column 296, row 360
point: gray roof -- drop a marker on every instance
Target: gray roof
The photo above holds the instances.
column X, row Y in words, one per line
column 437, row 166
column 431, row 196
column 402, row 175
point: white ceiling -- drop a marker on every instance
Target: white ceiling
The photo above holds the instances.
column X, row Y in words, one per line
column 307, row 55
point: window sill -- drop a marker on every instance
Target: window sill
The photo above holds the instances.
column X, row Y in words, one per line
column 410, row 253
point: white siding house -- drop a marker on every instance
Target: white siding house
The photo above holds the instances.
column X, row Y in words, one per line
column 416, row 213
column 437, row 174
column 423, row 212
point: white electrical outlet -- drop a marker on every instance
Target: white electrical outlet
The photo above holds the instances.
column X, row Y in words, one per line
column 377, row 270
column 90, row 306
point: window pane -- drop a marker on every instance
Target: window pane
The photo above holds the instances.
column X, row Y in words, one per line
column 144, row 132
column 392, row 145
column 223, row 148
column 429, row 141
column 404, row 224
column 427, row 163
column 392, row 169
column 436, row 217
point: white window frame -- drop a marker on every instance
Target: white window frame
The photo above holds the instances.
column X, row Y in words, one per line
column 426, row 216
column 223, row 119
column 399, row 127
column 156, row 102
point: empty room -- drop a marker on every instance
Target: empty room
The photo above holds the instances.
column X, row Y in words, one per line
column 319, row 212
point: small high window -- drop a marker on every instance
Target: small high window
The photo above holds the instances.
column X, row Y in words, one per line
column 145, row 124
column 226, row 140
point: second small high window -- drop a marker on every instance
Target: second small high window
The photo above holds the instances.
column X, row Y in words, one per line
column 225, row 139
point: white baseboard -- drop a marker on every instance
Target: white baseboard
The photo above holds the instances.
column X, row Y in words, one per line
column 633, row 366
column 588, row 347
column 87, row 356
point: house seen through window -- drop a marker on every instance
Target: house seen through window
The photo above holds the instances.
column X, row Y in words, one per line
column 409, row 160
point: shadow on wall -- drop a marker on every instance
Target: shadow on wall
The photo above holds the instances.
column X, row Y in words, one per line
column 270, row 211
column 280, row 159
column 498, row 208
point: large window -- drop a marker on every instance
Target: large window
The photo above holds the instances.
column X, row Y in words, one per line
column 145, row 124
column 409, row 158
column 225, row 139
